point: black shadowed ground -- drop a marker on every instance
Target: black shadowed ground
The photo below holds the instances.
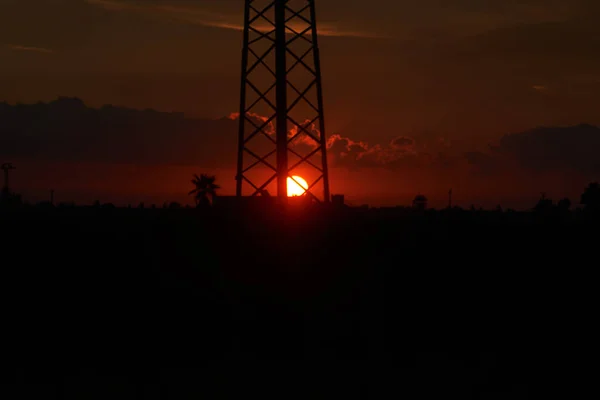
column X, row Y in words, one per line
column 141, row 303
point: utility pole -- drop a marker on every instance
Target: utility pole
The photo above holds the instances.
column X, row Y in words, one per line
column 6, row 167
column 450, row 199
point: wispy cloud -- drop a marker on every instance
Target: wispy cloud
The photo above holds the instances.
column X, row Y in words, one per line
column 466, row 19
column 202, row 16
column 30, row 49
column 112, row 5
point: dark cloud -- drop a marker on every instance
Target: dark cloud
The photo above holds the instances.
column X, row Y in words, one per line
column 400, row 152
column 490, row 51
column 571, row 149
column 403, row 142
column 67, row 131
column 559, row 159
column 345, row 152
column 483, row 164
column 554, row 151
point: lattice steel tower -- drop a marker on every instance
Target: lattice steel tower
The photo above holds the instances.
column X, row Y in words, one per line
column 282, row 127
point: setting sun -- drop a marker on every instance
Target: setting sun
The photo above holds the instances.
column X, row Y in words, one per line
column 297, row 188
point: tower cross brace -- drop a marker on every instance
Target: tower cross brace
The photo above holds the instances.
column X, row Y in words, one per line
column 281, row 101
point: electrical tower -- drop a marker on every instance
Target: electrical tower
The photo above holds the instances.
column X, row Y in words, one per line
column 281, row 121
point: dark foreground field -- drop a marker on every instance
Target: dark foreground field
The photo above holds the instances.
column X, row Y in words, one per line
column 128, row 303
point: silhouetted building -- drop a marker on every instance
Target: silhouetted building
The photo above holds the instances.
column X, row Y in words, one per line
column 337, row 200
column 303, row 200
column 420, row 202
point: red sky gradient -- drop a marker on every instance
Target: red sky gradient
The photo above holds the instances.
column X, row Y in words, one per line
column 455, row 78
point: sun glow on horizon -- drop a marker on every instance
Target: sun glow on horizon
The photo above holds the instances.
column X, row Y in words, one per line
column 297, row 188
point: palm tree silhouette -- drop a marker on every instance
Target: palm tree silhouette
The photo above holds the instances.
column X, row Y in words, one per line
column 205, row 189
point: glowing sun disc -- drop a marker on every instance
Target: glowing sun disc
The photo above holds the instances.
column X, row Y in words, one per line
column 296, row 189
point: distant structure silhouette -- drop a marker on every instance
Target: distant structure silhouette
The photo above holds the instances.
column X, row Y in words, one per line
column 337, row 200
column 450, row 199
column 564, row 204
column 544, row 204
column 7, row 167
column 420, row 202
column 281, row 75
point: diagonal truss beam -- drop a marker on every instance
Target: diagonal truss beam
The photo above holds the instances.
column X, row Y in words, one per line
column 283, row 27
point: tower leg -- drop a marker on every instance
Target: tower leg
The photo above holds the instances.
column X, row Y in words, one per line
column 281, row 100
column 281, row 95
column 323, row 137
column 242, row 117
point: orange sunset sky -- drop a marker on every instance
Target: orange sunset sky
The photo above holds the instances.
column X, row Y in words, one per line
column 485, row 97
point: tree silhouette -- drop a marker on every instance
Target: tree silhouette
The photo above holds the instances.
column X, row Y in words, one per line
column 591, row 197
column 564, row 204
column 544, row 205
column 205, row 190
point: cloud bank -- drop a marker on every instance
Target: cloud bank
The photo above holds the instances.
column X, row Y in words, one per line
column 552, row 159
